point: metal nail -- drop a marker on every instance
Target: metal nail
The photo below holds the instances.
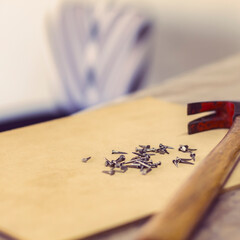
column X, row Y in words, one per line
column 86, row 159
column 124, row 168
column 141, row 150
column 132, row 161
column 192, row 149
column 144, row 146
column 185, row 148
column 146, row 171
column 187, row 162
column 162, row 151
column 193, row 155
column 118, row 152
column 148, row 155
column 134, row 165
column 118, row 165
column 143, row 164
column 161, row 146
column 148, row 162
column 151, row 150
column 111, row 172
column 120, row 159
column 156, row 164
column 175, row 163
column 139, row 154
column 109, row 163
column 138, row 157
column 183, row 159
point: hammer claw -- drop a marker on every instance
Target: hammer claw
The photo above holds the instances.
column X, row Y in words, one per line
column 199, row 107
column 223, row 117
column 212, row 121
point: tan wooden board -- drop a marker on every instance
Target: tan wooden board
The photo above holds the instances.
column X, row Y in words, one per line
column 48, row 193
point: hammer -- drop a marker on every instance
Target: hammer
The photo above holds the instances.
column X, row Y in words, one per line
column 193, row 199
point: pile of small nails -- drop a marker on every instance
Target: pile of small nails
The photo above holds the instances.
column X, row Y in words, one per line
column 185, row 149
column 142, row 159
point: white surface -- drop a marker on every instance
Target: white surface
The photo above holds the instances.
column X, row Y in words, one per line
column 31, row 82
column 26, row 71
column 189, row 34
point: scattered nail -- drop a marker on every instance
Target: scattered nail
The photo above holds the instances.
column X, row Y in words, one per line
column 132, row 161
column 161, row 146
column 118, row 152
column 144, row 146
column 183, row 159
column 151, row 150
column 134, row 165
column 143, row 164
column 121, row 158
column 185, row 148
column 175, row 163
column 157, row 164
column 109, row 163
column 141, row 150
column 111, row 172
column 139, row 154
column 142, row 159
column 86, row 159
column 124, row 169
column 193, row 155
column 145, row 171
column 187, row 162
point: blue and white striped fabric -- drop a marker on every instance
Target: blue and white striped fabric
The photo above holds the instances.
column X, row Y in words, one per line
column 102, row 52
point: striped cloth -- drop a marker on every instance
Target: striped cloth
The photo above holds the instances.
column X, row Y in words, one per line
column 102, row 52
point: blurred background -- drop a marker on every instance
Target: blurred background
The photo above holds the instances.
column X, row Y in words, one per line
column 58, row 57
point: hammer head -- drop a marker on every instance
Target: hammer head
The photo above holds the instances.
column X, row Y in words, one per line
column 223, row 116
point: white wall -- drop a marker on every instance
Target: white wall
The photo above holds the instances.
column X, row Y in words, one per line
column 190, row 33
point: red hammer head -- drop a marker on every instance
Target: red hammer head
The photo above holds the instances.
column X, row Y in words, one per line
column 223, row 116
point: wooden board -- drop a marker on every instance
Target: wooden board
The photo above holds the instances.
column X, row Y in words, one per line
column 48, row 193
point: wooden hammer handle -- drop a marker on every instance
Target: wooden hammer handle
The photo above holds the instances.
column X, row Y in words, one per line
column 193, row 199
